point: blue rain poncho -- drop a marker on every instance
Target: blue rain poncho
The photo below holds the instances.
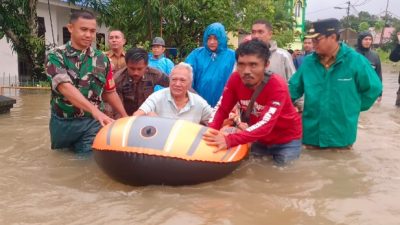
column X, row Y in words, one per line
column 211, row 70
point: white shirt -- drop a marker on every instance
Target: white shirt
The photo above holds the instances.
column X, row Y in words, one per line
column 161, row 102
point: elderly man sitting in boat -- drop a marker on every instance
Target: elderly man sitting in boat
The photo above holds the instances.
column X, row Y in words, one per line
column 176, row 101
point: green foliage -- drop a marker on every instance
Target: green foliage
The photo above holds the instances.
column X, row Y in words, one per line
column 379, row 24
column 182, row 22
column 179, row 22
column 364, row 26
column 353, row 21
column 43, row 84
column 18, row 23
column 383, row 55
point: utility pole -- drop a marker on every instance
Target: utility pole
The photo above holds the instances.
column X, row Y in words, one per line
column 348, row 14
column 347, row 19
column 384, row 23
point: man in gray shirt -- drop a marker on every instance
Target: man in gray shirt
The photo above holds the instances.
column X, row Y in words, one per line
column 281, row 61
column 177, row 101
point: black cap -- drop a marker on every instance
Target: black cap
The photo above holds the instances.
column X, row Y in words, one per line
column 323, row 27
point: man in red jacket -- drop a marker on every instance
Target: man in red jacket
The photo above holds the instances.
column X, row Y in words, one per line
column 273, row 125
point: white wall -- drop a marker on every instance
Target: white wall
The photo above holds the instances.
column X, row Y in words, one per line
column 8, row 61
column 60, row 13
column 43, row 11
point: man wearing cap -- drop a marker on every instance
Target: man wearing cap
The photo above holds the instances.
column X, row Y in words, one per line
column 157, row 59
column 338, row 83
column 116, row 54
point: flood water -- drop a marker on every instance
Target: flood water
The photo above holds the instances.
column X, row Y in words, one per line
column 362, row 186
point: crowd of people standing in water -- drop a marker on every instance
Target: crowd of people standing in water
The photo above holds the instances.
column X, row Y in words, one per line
column 279, row 103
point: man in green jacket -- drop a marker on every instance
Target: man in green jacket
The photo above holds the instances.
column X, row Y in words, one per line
column 338, row 83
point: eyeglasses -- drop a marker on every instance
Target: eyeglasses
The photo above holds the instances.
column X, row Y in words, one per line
column 318, row 39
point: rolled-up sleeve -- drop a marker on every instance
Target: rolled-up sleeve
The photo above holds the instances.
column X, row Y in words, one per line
column 206, row 111
column 150, row 104
column 56, row 71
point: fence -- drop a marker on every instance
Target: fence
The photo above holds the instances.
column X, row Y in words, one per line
column 13, row 80
column 12, row 83
column 9, row 80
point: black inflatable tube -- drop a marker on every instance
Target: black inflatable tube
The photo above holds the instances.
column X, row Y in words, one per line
column 141, row 169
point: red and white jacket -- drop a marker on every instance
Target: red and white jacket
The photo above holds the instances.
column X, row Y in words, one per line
column 273, row 120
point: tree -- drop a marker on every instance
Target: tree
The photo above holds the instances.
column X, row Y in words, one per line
column 182, row 22
column 18, row 23
column 364, row 26
column 354, row 21
column 378, row 26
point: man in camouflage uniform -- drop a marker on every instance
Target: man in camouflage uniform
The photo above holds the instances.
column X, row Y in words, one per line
column 81, row 78
column 137, row 81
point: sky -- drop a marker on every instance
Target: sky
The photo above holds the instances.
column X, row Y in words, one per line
column 322, row 9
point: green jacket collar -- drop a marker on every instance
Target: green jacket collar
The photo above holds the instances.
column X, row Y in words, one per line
column 343, row 50
column 72, row 52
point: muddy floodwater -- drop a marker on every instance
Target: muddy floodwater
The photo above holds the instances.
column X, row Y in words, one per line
column 362, row 186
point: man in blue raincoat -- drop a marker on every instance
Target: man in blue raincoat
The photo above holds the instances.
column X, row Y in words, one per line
column 212, row 64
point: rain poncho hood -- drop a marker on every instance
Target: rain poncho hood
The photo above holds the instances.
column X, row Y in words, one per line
column 218, row 30
column 211, row 70
column 361, row 36
column 371, row 55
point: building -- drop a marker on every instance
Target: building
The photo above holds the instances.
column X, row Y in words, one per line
column 349, row 36
column 387, row 35
column 55, row 34
column 298, row 9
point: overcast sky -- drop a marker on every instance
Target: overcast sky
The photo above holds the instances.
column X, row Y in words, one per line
column 322, row 9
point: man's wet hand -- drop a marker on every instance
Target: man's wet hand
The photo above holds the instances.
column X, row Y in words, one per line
column 215, row 138
column 102, row 118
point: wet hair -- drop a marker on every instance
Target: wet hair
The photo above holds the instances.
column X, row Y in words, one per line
column 264, row 22
column 81, row 14
column 135, row 55
column 185, row 66
column 290, row 51
column 253, row 47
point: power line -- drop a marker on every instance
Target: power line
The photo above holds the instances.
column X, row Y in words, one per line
column 324, row 9
column 362, row 3
column 394, row 15
column 320, row 10
column 384, row 24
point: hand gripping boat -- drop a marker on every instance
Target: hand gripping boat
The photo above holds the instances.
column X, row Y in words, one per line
column 154, row 150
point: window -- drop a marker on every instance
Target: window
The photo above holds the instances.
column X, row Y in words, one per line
column 298, row 9
column 66, row 35
column 41, row 27
column 100, row 41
